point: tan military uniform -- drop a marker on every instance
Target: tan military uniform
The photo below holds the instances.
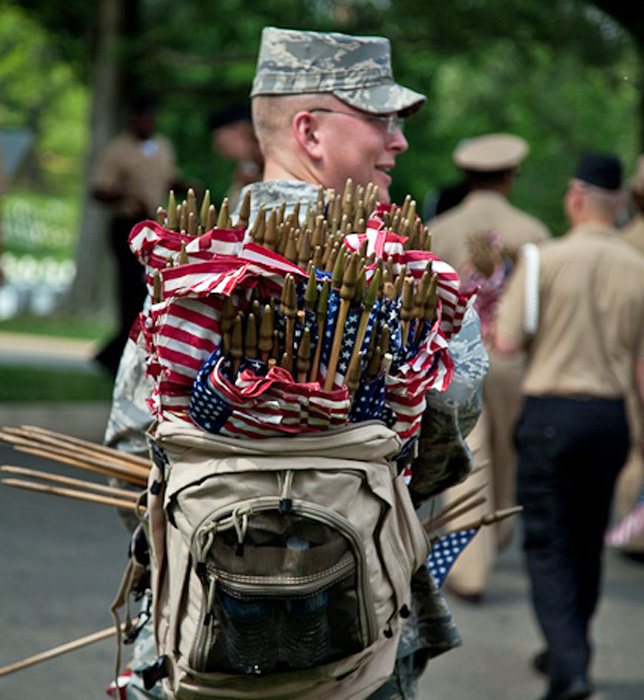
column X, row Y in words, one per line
column 572, row 437
column 491, row 440
column 631, row 478
column 633, row 232
column 144, row 169
column 589, row 362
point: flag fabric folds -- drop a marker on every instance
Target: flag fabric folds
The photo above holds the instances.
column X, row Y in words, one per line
column 192, row 278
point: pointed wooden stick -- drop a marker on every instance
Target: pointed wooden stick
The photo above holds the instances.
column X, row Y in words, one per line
column 457, row 502
column 70, row 493
column 65, row 458
column 69, row 481
column 433, row 524
column 127, row 456
column 320, row 317
column 347, row 290
column 60, row 650
column 99, row 460
column 488, row 519
column 368, row 304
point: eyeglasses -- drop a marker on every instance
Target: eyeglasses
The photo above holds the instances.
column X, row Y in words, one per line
column 393, row 121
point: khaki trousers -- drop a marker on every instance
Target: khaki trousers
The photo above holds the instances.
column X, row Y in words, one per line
column 491, row 442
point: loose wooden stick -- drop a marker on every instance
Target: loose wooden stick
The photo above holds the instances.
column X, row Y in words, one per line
column 59, row 650
column 95, row 447
column 454, row 504
column 69, row 481
column 55, row 455
column 433, row 524
column 99, row 461
column 70, row 493
column 488, row 519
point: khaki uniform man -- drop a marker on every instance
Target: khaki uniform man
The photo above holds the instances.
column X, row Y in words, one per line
column 631, row 479
column 325, row 108
column 489, row 163
column 572, row 437
column 133, row 176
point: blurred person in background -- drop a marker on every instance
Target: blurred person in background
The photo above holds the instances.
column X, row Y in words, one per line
column 134, row 173
column 630, row 484
column 584, row 357
column 481, row 238
column 233, row 138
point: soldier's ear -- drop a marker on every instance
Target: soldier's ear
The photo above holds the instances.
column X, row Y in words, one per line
column 306, row 128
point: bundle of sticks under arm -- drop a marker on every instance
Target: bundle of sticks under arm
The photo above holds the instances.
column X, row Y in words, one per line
column 82, row 454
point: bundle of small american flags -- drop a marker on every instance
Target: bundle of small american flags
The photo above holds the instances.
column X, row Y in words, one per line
column 206, row 288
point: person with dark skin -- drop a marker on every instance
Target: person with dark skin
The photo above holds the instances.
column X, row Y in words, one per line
column 132, row 178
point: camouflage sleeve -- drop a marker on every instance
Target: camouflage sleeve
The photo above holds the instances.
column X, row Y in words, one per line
column 129, row 416
column 444, row 458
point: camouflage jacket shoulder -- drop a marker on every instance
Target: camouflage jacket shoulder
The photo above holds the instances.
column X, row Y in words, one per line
column 444, row 458
column 272, row 193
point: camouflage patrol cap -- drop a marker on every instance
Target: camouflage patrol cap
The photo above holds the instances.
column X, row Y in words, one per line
column 490, row 153
column 355, row 69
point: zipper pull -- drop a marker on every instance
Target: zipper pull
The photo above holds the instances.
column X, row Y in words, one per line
column 286, row 501
column 240, row 522
column 204, row 541
column 210, row 599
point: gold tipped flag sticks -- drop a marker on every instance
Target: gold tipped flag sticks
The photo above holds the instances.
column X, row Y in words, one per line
column 81, row 454
column 104, row 489
column 71, row 493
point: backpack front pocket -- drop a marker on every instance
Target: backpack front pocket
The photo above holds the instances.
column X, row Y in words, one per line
column 281, row 591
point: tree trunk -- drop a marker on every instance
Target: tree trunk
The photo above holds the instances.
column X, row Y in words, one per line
column 92, row 290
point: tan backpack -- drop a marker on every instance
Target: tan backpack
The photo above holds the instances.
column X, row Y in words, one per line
column 281, row 567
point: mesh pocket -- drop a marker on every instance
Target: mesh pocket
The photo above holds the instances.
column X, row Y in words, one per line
column 288, row 600
column 256, row 635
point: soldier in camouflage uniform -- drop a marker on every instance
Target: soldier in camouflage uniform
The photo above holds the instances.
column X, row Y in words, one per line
column 325, row 108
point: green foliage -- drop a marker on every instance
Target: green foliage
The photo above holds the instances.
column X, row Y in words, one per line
column 41, row 92
column 565, row 77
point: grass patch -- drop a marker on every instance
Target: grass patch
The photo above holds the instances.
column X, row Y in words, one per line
column 25, row 384
column 59, row 326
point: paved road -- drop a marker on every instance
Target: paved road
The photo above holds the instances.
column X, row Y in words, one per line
column 61, row 563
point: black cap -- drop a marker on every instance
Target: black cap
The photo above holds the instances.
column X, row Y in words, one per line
column 236, row 112
column 602, row 170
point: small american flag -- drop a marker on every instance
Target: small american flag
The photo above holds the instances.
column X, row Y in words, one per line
column 153, row 245
column 263, row 405
column 446, row 551
column 629, row 527
column 182, row 331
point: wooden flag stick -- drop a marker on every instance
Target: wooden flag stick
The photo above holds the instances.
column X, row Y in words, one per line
column 66, row 458
column 432, row 524
column 488, row 519
column 59, row 650
column 103, row 449
column 457, row 502
column 347, row 291
column 70, row 493
column 106, row 454
column 69, row 481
